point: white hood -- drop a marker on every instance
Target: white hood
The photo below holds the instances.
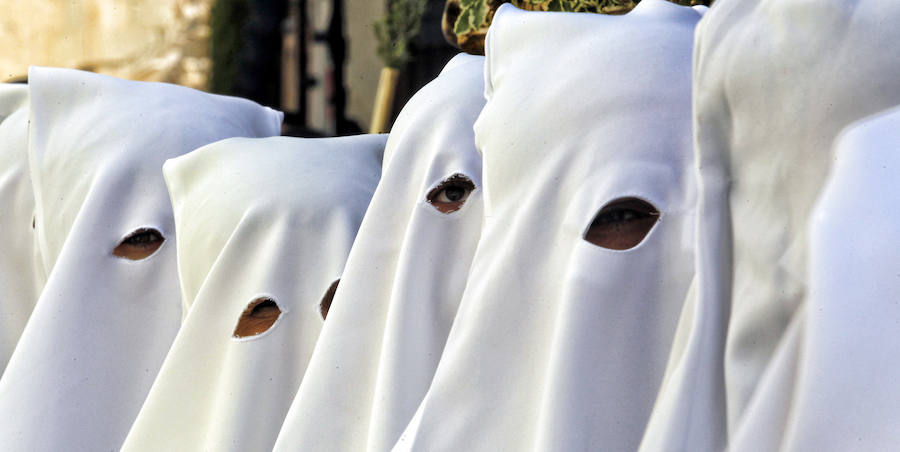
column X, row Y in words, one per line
column 103, row 323
column 775, row 81
column 560, row 344
column 403, row 281
column 20, row 281
column 269, row 218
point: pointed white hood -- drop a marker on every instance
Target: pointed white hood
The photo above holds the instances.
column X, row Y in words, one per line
column 19, row 279
column 560, row 344
column 256, row 219
column 403, row 281
column 103, row 323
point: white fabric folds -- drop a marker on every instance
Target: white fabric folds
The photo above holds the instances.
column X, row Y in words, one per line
column 256, row 219
column 560, row 344
column 839, row 392
column 775, row 81
column 403, row 281
column 103, row 323
column 19, row 281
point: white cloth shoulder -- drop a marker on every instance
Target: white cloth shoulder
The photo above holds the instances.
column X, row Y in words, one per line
column 840, row 391
column 20, row 280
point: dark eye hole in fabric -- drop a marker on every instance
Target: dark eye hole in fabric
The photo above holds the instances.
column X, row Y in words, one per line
column 622, row 224
column 257, row 318
column 325, row 304
column 140, row 244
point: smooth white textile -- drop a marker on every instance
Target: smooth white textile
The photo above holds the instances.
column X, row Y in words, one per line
column 775, row 81
column 841, row 392
column 103, row 324
column 560, row 344
column 19, row 281
column 403, row 281
column 273, row 218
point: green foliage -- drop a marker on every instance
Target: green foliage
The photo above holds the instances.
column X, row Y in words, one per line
column 228, row 18
column 591, row 6
column 476, row 14
column 472, row 15
column 579, row 6
column 397, row 29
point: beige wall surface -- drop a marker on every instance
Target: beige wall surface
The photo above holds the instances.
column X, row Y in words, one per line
column 157, row 40
column 363, row 65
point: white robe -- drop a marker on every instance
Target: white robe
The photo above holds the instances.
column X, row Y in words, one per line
column 403, row 281
column 775, row 81
column 103, row 324
column 560, row 344
column 833, row 383
column 20, row 281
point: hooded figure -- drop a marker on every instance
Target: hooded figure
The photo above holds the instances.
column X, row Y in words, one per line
column 833, row 383
column 585, row 257
column 774, row 83
column 264, row 227
column 19, row 279
column 110, row 308
column 404, row 277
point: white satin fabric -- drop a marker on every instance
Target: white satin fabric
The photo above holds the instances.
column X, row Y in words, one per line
column 403, row 281
column 103, row 324
column 560, row 344
column 839, row 392
column 272, row 217
column 19, row 280
column 775, row 81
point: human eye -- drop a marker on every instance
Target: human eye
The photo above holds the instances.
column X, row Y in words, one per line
column 451, row 194
column 139, row 244
column 622, row 224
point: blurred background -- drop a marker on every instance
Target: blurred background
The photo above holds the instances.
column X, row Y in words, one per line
column 313, row 59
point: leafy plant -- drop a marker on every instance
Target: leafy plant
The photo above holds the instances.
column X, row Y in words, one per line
column 580, row 6
column 397, row 29
column 475, row 15
column 591, row 6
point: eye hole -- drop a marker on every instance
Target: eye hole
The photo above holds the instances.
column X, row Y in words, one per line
column 257, row 318
column 139, row 244
column 33, row 221
column 325, row 305
column 622, row 224
column 451, row 194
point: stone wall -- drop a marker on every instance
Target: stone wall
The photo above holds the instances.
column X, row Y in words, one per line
column 157, row 40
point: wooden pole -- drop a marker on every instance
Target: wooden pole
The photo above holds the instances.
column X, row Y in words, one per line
column 384, row 100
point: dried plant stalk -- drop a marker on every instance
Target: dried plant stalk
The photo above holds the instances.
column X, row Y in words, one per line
column 395, row 31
